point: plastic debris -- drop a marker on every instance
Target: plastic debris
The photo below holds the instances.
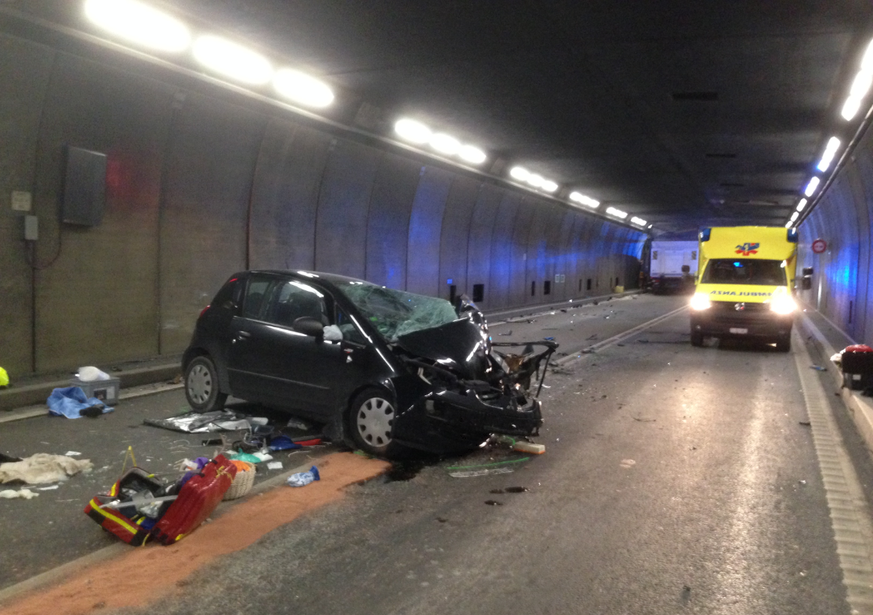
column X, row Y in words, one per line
column 483, row 472
column 274, row 465
column 818, row 368
column 297, row 424
column 11, row 494
column 241, row 456
column 194, row 422
column 301, row 479
column 282, row 443
column 89, row 373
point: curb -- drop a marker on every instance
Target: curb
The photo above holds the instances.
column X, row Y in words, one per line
column 860, row 408
column 38, row 392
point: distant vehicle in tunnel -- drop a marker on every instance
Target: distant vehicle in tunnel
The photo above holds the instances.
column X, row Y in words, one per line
column 673, row 266
column 383, row 368
column 745, row 285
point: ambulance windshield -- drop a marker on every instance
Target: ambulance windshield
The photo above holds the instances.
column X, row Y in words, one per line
column 750, row 271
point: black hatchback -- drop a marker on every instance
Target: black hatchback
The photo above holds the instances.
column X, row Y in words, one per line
column 380, row 367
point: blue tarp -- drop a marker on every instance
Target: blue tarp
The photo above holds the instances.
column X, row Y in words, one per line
column 70, row 401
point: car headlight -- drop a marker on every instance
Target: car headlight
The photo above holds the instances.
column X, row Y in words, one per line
column 700, row 301
column 782, row 304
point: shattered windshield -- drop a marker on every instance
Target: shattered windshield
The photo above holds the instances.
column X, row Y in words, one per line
column 395, row 313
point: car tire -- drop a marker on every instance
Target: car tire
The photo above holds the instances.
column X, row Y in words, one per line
column 783, row 344
column 696, row 338
column 201, row 385
column 370, row 420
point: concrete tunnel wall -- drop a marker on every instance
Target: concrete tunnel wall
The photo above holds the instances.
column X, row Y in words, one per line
column 841, row 288
column 203, row 181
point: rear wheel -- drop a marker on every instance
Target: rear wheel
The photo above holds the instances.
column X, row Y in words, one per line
column 371, row 418
column 696, row 338
column 201, row 385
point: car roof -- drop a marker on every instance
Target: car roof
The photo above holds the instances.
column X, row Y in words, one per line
column 319, row 275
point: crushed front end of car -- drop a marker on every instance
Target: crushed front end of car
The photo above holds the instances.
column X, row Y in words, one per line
column 463, row 390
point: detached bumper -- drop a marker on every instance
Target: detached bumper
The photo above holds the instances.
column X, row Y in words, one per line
column 447, row 420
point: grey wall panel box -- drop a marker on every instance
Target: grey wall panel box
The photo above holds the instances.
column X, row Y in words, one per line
column 84, row 187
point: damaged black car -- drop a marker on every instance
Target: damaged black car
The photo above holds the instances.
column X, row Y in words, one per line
column 383, row 369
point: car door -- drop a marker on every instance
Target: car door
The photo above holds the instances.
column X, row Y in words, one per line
column 272, row 363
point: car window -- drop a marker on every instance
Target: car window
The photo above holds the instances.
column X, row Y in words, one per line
column 228, row 296
column 254, row 299
column 347, row 327
column 745, row 271
column 291, row 299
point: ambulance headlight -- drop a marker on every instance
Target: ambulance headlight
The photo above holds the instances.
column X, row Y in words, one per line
column 700, row 301
column 783, row 305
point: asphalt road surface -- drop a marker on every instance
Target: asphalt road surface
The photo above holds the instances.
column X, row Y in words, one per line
column 675, row 480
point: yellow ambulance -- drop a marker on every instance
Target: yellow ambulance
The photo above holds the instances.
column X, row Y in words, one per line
column 744, row 284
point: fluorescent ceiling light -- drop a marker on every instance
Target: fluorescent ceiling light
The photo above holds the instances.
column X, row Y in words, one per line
column 139, row 23
column 828, row 156
column 413, row 131
column 472, row 154
column 801, row 204
column 232, row 60
column 850, row 108
column 535, row 180
column 794, row 216
column 616, row 212
column 812, row 186
column 789, row 224
column 650, row 226
column 519, row 173
column 549, row 185
column 445, row 144
column 638, row 221
column 302, row 88
column 584, row 200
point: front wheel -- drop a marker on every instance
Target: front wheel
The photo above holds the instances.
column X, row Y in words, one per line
column 201, row 385
column 371, row 418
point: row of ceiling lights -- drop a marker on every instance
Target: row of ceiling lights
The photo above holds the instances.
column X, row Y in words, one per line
column 859, row 90
column 146, row 26
column 154, row 29
column 418, row 133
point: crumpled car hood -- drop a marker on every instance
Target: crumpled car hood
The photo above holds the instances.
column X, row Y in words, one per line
column 458, row 346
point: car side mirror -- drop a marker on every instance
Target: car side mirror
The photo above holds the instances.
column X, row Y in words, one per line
column 309, row 326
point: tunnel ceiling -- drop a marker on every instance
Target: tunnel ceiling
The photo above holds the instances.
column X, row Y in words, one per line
column 684, row 113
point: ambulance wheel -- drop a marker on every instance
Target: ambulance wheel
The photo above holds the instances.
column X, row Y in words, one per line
column 696, row 338
column 783, row 344
column 370, row 422
column 201, row 385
